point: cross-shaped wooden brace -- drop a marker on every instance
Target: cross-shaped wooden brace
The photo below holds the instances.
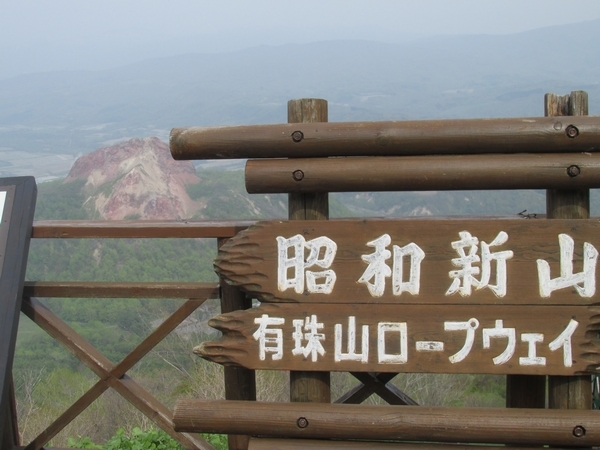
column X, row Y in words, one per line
column 114, row 376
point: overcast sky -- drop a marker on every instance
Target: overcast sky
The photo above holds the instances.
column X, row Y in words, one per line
column 70, row 34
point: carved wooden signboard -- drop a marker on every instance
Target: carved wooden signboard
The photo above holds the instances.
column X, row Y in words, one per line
column 17, row 203
column 447, row 296
column 416, row 261
column 554, row 340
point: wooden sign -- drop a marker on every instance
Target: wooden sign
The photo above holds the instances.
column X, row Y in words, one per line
column 531, row 339
column 17, row 203
column 416, row 261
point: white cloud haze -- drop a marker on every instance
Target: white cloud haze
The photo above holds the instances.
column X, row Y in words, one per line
column 75, row 34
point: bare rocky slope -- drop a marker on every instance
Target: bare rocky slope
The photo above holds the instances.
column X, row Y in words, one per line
column 137, row 179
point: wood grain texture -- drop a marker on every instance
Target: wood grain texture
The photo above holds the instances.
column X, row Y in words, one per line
column 313, row 444
column 68, row 229
column 572, row 392
column 240, row 344
column 408, row 423
column 525, row 391
column 250, row 259
column 240, row 383
column 424, row 173
column 307, row 110
column 309, row 386
column 400, row 138
column 99, row 289
column 564, row 202
column 309, row 204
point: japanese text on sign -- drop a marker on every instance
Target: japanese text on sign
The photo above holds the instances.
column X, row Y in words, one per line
column 309, row 334
column 476, row 265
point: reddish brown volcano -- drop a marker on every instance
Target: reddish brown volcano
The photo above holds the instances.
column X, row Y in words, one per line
column 136, row 179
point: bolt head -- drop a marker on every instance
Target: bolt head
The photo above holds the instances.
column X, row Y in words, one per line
column 303, row 423
column 297, row 136
column 579, row 431
column 572, row 131
column 298, row 175
column 573, row 171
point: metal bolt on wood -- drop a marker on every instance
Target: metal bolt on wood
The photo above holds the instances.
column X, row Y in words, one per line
column 573, row 171
column 572, row 131
column 298, row 175
column 579, row 431
column 297, row 136
column 303, row 423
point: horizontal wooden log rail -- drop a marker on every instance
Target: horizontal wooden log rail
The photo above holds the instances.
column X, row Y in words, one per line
column 577, row 428
column 316, row 444
column 98, row 289
column 424, row 173
column 46, row 448
column 397, row 138
column 138, row 228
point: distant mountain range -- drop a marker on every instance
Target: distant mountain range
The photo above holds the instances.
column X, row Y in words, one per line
column 74, row 112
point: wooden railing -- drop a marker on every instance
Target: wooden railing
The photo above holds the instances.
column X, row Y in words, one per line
column 239, row 382
column 114, row 376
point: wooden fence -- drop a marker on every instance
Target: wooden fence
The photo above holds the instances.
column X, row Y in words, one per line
column 114, row 376
column 558, row 154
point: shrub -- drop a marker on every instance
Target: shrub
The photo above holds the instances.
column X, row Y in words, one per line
column 144, row 440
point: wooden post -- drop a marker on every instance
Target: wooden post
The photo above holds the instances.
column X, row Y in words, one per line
column 240, row 383
column 525, row 391
column 308, row 386
column 529, row 391
column 568, row 392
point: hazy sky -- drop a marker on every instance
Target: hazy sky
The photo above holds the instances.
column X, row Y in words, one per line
column 69, row 34
column 30, row 20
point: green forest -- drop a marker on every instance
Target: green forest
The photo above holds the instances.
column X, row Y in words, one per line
column 48, row 379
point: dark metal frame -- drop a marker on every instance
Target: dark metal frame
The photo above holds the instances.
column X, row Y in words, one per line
column 15, row 232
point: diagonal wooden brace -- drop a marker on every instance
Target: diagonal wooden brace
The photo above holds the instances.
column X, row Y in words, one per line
column 111, row 375
column 375, row 383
